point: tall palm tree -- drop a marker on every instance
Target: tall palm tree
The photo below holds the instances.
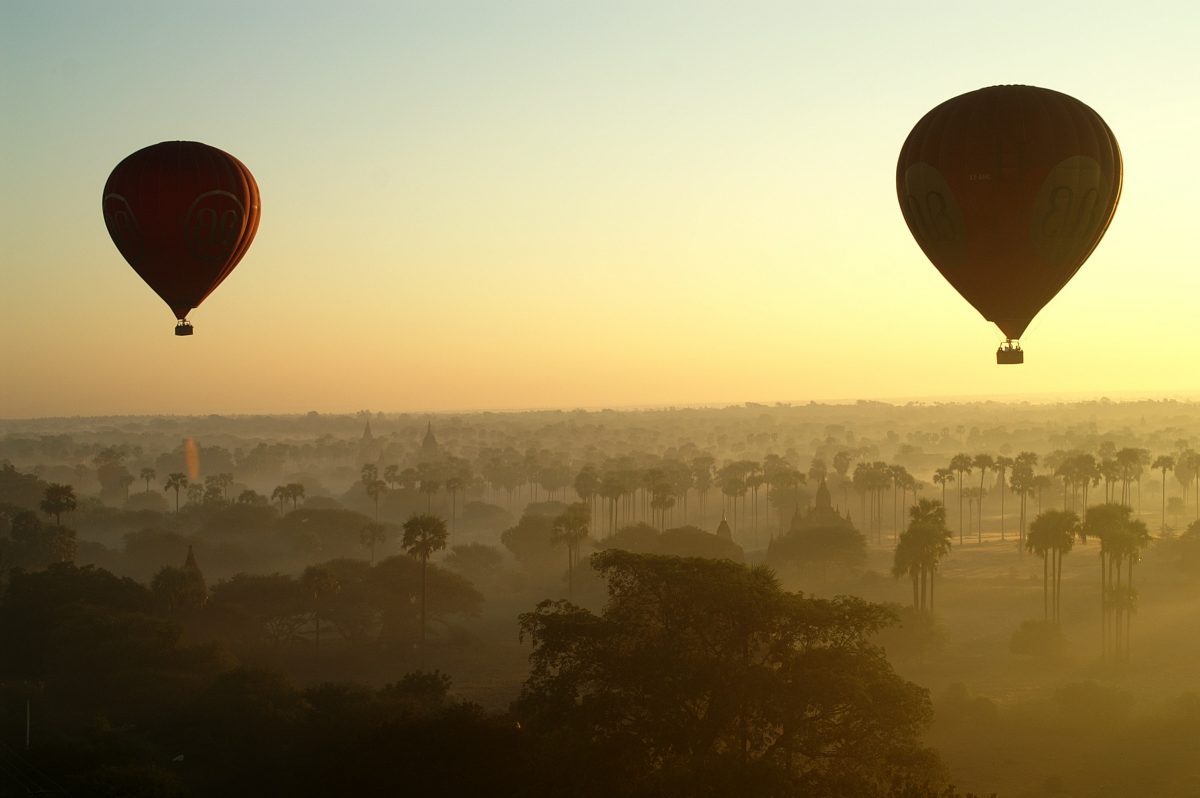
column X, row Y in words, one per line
column 921, row 547
column 318, row 583
column 942, row 476
column 375, row 489
column 423, row 535
column 295, row 492
column 175, row 482
column 148, row 476
column 282, row 494
column 571, row 529
column 960, row 464
column 1121, row 540
column 1051, row 535
column 371, row 534
column 985, row 463
column 1164, row 463
column 58, row 499
column 1003, row 464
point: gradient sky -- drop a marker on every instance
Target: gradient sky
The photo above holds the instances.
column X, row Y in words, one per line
column 518, row 204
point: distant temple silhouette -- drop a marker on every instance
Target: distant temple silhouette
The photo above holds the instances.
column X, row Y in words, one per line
column 430, row 449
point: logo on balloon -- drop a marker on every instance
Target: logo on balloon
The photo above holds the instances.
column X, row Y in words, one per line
column 212, row 226
column 1070, row 207
column 933, row 213
column 122, row 225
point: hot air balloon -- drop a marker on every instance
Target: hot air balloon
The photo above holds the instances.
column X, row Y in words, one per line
column 1007, row 190
column 182, row 214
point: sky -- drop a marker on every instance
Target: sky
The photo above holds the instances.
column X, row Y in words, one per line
column 487, row 205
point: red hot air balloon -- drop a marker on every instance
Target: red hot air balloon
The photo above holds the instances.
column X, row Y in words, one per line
column 1008, row 190
column 183, row 214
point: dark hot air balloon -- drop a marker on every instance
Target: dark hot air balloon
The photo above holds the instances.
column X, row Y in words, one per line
column 1007, row 190
column 183, row 214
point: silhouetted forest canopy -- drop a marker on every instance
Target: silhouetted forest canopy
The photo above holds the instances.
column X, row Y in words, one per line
column 823, row 600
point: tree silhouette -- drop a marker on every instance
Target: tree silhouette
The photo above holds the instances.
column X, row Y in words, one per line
column 1003, row 464
column 571, row 529
column 176, row 482
column 295, row 492
column 1122, row 539
column 943, row 476
column 423, row 535
column 319, row 584
column 148, row 475
column 984, row 463
column 282, row 494
column 56, row 500
column 1164, row 463
column 373, row 533
column 961, row 465
column 1051, row 535
column 375, row 489
column 921, row 547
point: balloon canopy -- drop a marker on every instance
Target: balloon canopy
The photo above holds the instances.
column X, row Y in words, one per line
column 182, row 214
column 1007, row 190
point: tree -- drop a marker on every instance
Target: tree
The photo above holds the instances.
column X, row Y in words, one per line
column 921, row 547
column 1051, row 535
column 280, row 494
column 58, row 499
column 1003, row 464
column 1164, row 463
column 148, row 475
column 319, row 584
column 423, row 535
column 961, row 464
column 571, row 529
column 176, row 482
column 984, row 463
column 372, row 534
column 704, row 677
column 943, row 477
column 375, row 489
column 1122, row 539
column 295, row 492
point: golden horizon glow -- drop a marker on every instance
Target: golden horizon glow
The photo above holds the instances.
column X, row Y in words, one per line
column 602, row 206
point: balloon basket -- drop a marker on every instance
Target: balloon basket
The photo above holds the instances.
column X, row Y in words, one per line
column 184, row 327
column 1010, row 354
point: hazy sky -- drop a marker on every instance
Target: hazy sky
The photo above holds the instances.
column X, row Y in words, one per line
column 508, row 204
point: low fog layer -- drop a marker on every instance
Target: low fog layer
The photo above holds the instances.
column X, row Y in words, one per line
column 679, row 601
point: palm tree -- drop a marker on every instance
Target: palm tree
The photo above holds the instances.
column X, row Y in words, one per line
column 571, row 529
column 1051, row 535
column 58, row 499
column 375, row 488
column 1121, row 541
column 318, row 583
column 391, row 475
column 921, row 547
column 1164, row 463
column 223, row 481
column 371, row 534
column 295, row 492
column 282, row 494
column 942, row 476
column 961, row 464
column 453, row 485
column 1002, row 465
column 423, row 535
column 985, row 463
column 175, row 482
column 148, row 475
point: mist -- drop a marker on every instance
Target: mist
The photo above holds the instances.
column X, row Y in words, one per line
column 465, row 603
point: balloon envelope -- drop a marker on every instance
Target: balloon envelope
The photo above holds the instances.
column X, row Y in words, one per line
column 1007, row 190
column 182, row 214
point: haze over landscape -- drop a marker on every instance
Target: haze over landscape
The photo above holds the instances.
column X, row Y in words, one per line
column 583, row 418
